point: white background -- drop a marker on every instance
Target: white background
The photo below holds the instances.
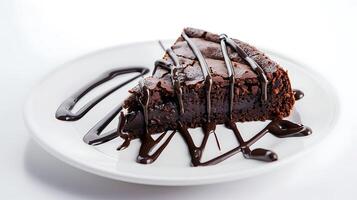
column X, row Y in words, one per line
column 36, row 36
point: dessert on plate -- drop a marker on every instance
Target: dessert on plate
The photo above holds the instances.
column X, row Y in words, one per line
column 202, row 80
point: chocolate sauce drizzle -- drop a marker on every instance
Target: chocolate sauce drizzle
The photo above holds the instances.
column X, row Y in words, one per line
column 64, row 111
column 174, row 75
column 144, row 101
column 205, row 70
column 209, row 127
column 278, row 127
column 148, row 143
column 94, row 136
column 161, row 63
column 298, row 94
column 263, row 78
column 230, row 70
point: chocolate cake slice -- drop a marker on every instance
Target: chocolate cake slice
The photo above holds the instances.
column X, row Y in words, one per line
column 205, row 78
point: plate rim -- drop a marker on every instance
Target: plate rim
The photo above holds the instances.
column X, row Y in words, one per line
column 175, row 181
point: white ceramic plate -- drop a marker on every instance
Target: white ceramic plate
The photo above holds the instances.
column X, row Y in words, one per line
column 318, row 109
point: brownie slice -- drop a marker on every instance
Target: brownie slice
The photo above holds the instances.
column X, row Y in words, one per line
column 163, row 109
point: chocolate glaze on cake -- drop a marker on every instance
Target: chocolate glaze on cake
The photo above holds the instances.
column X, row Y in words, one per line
column 203, row 80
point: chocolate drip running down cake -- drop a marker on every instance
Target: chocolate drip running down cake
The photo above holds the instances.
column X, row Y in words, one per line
column 203, row 79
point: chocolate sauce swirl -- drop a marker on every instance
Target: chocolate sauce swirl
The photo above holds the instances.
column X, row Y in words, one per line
column 94, row 136
column 64, row 111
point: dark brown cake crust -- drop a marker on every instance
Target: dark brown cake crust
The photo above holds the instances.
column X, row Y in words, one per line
column 163, row 112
